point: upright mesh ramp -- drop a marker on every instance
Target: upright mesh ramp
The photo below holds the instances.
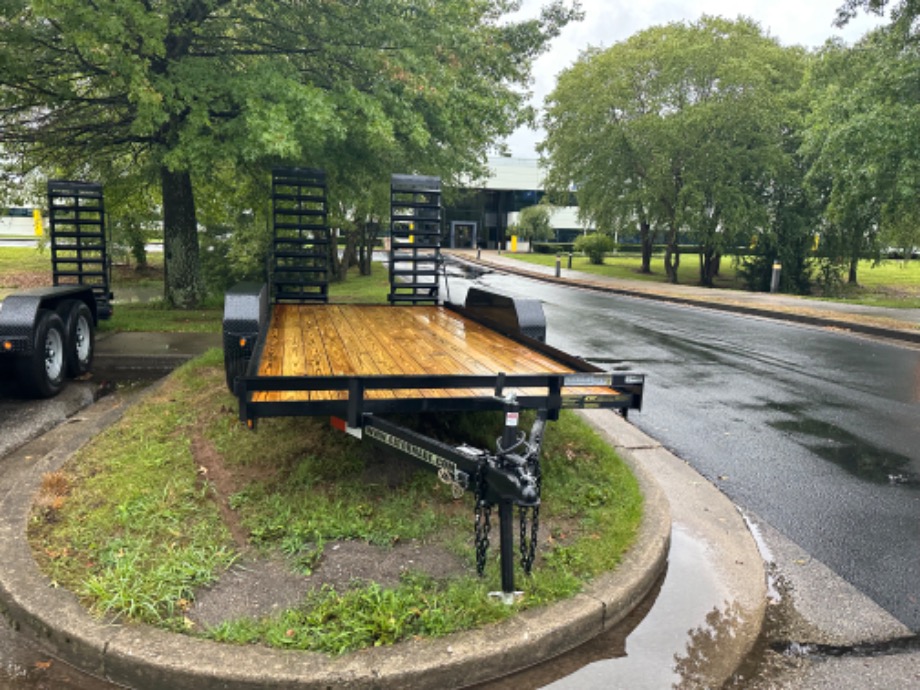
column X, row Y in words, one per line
column 300, row 252
column 415, row 239
column 76, row 218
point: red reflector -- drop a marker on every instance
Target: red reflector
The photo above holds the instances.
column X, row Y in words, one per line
column 338, row 423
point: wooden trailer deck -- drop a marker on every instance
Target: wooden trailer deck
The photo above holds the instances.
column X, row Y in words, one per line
column 350, row 340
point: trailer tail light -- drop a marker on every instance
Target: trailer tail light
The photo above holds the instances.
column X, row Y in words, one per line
column 243, row 342
column 7, row 346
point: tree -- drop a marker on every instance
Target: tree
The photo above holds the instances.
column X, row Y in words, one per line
column 863, row 143
column 184, row 88
column 902, row 12
column 680, row 127
column 534, row 224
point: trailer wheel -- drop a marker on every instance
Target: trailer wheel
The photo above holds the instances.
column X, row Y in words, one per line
column 81, row 337
column 41, row 374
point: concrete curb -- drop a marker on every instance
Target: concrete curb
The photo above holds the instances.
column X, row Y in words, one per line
column 143, row 657
column 904, row 335
column 698, row 507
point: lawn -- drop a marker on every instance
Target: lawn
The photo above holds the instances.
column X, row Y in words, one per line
column 627, row 266
column 890, row 283
column 138, row 291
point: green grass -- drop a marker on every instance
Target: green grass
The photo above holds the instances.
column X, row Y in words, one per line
column 131, row 527
column 627, row 267
column 128, row 526
column 156, row 316
column 890, row 283
column 18, row 259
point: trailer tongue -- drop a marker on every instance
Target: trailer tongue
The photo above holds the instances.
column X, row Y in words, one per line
column 290, row 352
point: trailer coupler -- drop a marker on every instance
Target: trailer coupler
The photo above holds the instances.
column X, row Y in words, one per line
column 507, row 478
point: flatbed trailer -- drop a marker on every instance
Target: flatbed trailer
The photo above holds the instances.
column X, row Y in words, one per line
column 360, row 364
column 48, row 333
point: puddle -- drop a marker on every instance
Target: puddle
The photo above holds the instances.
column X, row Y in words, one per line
column 671, row 641
column 851, row 453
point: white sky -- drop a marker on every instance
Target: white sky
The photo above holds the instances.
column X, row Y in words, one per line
column 794, row 22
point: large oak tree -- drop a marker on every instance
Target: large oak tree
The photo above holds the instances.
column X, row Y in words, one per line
column 175, row 90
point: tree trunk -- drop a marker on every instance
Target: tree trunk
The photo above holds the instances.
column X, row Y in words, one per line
column 645, row 237
column 349, row 257
column 709, row 262
column 182, row 284
column 672, row 257
column 851, row 278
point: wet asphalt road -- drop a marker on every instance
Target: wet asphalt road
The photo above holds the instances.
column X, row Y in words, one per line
column 813, row 431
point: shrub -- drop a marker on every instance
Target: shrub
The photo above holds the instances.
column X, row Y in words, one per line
column 594, row 246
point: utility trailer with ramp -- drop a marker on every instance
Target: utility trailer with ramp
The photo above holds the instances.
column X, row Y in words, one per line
column 288, row 351
column 48, row 333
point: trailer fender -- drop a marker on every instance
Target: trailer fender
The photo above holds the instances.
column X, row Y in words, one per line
column 509, row 314
column 245, row 318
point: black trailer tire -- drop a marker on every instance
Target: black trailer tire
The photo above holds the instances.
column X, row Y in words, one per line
column 81, row 337
column 41, row 374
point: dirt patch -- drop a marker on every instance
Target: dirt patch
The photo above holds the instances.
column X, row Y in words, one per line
column 261, row 586
column 223, row 484
column 25, row 279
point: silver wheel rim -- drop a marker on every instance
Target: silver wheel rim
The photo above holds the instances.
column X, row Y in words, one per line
column 54, row 354
column 83, row 339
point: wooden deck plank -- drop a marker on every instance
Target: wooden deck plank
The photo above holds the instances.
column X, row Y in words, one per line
column 359, row 361
column 375, row 353
column 409, row 345
column 370, row 340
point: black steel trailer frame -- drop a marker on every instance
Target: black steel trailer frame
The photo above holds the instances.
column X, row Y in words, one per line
column 507, row 477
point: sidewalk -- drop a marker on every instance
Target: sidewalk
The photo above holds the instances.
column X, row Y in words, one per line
column 898, row 324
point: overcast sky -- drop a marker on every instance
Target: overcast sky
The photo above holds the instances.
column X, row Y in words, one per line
column 794, row 22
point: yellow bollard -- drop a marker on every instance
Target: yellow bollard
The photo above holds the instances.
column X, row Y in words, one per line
column 37, row 220
column 514, row 243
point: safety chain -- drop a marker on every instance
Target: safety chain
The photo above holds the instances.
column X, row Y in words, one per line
column 483, row 514
column 529, row 546
column 457, row 482
column 483, row 526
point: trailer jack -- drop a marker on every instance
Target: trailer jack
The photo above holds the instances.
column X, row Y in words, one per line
column 507, row 478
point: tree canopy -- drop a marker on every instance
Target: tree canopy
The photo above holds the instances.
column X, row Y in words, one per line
column 171, row 92
column 680, row 127
column 534, row 223
column 863, row 144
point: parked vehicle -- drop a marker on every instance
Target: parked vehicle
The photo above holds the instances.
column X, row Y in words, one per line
column 47, row 334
